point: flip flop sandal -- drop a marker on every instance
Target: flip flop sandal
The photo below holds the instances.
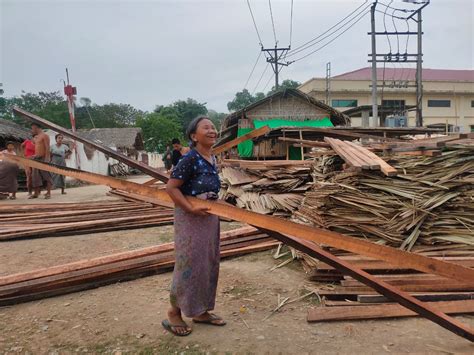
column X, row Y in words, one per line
column 214, row 320
column 32, row 197
column 47, row 197
column 12, row 198
column 172, row 328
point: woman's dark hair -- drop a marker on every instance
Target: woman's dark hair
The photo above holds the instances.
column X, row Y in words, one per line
column 192, row 128
column 58, row 135
column 8, row 143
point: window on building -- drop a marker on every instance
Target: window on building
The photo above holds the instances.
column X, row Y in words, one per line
column 472, row 127
column 400, row 104
column 344, row 103
column 472, row 103
column 439, row 103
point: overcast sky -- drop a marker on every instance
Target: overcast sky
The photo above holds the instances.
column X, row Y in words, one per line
column 155, row 52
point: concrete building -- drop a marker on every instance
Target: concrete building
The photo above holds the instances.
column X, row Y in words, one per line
column 448, row 96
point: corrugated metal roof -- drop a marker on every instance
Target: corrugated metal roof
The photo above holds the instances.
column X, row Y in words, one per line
column 409, row 74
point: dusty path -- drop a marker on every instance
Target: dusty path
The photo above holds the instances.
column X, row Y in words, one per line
column 126, row 317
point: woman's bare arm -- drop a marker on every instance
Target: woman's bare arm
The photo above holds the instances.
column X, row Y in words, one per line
column 172, row 188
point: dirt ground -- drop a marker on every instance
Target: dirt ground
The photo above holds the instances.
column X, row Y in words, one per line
column 125, row 317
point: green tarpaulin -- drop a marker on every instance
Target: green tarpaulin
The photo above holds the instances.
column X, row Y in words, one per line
column 245, row 149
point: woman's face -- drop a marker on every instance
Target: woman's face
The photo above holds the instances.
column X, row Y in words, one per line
column 59, row 139
column 206, row 133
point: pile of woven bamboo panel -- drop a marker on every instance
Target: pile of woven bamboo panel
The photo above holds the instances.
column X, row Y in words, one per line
column 430, row 201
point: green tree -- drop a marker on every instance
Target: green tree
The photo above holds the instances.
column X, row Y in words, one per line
column 242, row 99
column 159, row 129
column 188, row 110
column 110, row 115
column 216, row 117
column 50, row 105
column 286, row 84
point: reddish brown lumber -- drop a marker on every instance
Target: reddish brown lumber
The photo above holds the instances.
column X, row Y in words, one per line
column 253, row 134
column 405, row 299
column 333, row 239
column 428, row 153
column 386, row 168
column 305, row 142
column 327, row 314
column 305, row 234
column 84, row 264
column 106, row 150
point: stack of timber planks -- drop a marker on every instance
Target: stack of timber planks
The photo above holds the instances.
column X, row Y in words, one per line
column 59, row 219
column 96, row 272
column 346, row 299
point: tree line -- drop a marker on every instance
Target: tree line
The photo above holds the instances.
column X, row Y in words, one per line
column 159, row 127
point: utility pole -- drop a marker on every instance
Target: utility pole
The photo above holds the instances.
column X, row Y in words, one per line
column 275, row 55
column 328, row 83
column 70, row 91
column 400, row 58
column 419, row 79
column 375, row 111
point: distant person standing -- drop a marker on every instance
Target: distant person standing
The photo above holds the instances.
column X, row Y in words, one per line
column 41, row 178
column 28, row 147
column 178, row 151
column 167, row 158
column 59, row 153
column 8, row 175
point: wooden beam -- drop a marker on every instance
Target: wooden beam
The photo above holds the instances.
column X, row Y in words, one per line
column 106, row 150
column 303, row 236
column 345, row 313
column 305, row 142
column 226, row 146
column 405, row 299
column 393, row 256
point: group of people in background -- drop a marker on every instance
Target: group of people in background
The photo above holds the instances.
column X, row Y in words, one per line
column 37, row 148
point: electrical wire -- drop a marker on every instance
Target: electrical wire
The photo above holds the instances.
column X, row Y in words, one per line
column 397, row 17
column 261, row 76
column 321, row 37
column 273, row 22
column 395, row 9
column 253, row 69
column 268, row 82
column 332, row 40
column 385, row 27
column 329, row 29
column 254, row 23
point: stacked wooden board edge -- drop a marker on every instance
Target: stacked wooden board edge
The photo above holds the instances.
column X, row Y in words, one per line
column 60, row 219
column 92, row 273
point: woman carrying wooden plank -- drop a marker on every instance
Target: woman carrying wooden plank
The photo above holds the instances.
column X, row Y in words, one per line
column 196, row 271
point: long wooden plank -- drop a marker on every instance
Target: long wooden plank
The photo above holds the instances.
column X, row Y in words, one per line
column 386, row 168
column 305, row 142
column 345, row 313
column 393, row 256
column 305, row 235
column 106, row 150
column 353, row 161
column 254, row 134
column 405, row 299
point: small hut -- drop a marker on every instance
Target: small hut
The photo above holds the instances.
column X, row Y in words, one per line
column 286, row 110
column 128, row 140
column 12, row 132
